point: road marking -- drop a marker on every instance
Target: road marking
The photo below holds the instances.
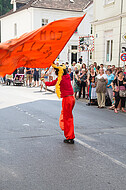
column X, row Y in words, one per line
column 13, row 174
column 4, row 150
column 86, row 137
column 101, row 153
column 27, row 125
column 27, row 113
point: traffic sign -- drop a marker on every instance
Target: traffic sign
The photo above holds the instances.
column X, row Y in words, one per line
column 123, row 57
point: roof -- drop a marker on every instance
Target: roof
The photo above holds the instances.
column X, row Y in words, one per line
column 70, row 5
column 66, row 5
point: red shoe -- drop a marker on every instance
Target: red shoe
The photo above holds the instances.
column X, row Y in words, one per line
column 115, row 111
column 124, row 111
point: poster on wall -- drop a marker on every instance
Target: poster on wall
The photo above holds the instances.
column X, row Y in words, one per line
column 86, row 43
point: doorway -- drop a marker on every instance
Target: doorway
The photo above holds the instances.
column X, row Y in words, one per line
column 73, row 53
column 73, row 57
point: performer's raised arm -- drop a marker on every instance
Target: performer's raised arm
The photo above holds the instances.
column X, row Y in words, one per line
column 53, row 83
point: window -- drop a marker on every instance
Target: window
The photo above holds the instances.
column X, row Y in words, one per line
column 74, row 47
column 15, row 29
column 109, row 49
column 107, row 2
column 108, row 35
column 44, row 22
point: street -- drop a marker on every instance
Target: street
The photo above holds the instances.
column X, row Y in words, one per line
column 34, row 157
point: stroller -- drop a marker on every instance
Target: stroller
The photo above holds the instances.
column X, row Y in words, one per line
column 18, row 80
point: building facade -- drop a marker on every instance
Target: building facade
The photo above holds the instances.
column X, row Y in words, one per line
column 28, row 15
column 109, row 27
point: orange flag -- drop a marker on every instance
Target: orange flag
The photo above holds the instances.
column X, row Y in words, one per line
column 39, row 48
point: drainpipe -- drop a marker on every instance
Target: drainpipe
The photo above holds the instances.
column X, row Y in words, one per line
column 120, row 32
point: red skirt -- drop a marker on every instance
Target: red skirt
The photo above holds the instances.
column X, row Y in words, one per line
column 66, row 118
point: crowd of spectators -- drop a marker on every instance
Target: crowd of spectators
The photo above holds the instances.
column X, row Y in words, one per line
column 100, row 84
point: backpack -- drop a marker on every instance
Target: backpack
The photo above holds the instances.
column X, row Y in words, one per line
column 107, row 101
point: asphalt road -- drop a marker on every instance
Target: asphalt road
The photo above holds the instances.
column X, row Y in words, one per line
column 34, row 157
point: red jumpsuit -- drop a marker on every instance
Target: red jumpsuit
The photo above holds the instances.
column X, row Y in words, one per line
column 66, row 118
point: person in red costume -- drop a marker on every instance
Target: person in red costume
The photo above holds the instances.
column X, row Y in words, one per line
column 68, row 101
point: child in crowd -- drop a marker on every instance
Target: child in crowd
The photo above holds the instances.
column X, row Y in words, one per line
column 93, row 90
column 71, row 75
column 77, row 84
column 43, row 77
column 113, row 102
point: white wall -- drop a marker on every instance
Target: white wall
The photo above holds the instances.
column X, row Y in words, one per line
column 23, row 19
column 85, row 30
column 124, row 6
column 99, row 51
column 102, row 11
column 106, row 19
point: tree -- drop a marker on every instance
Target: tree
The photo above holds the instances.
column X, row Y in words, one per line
column 5, row 6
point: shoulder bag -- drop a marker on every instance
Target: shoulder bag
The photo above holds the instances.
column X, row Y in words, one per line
column 122, row 91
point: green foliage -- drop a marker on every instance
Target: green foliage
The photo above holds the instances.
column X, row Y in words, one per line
column 5, row 6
